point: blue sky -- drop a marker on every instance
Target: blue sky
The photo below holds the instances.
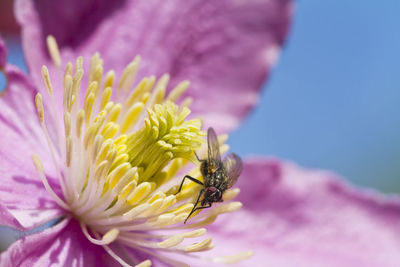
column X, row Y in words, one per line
column 332, row 101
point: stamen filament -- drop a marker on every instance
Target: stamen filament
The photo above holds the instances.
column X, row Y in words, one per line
column 116, row 155
column 40, row 170
column 107, row 238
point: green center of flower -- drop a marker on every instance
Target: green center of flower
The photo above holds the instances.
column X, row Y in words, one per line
column 117, row 153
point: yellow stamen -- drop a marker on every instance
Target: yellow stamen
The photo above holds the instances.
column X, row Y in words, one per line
column 109, row 79
column 122, row 158
column 129, row 74
column 79, row 122
column 131, row 117
column 179, row 90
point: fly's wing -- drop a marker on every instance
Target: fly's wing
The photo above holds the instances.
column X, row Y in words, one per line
column 233, row 166
column 213, row 145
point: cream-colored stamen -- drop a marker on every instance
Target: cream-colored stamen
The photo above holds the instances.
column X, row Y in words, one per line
column 177, row 239
column 231, row 194
column 119, row 157
column 107, row 238
column 39, row 107
column 53, row 50
column 67, row 123
column 179, row 90
column 206, row 244
column 79, row 122
column 129, row 74
column 40, row 170
column 146, row 263
column 46, row 80
column 235, row 258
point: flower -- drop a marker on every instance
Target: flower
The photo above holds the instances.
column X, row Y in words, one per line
column 291, row 216
column 106, row 173
column 110, row 166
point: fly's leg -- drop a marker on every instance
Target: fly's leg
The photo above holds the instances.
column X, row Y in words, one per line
column 198, row 208
column 197, row 157
column 190, row 178
column 195, row 204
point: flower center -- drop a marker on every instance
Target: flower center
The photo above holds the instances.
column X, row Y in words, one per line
column 117, row 151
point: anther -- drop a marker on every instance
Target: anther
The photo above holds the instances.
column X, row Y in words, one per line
column 206, row 244
column 128, row 75
column 233, row 258
column 67, row 123
column 177, row 239
column 140, row 192
column 69, row 147
column 109, row 79
column 67, row 73
column 53, row 50
column 231, row 194
column 146, row 263
column 110, row 236
column 79, row 122
column 179, row 90
column 105, row 97
column 131, row 117
column 93, row 64
column 107, row 238
column 79, row 63
column 40, row 170
column 46, row 80
column 39, row 107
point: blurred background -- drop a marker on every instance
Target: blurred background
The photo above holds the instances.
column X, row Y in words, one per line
column 333, row 100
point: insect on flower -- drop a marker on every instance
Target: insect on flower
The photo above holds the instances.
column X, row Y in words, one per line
column 219, row 175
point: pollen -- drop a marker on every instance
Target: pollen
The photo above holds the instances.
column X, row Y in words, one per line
column 120, row 148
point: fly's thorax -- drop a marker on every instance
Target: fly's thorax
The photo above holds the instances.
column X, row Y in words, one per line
column 213, row 173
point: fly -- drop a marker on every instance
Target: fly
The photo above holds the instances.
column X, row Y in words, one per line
column 219, row 175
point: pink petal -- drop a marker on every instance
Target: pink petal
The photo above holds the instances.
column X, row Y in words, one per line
column 3, row 53
column 298, row 217
column 226, row 48
column 8, row 24
column 21, row 191
column 62, row 245
column 7, row 219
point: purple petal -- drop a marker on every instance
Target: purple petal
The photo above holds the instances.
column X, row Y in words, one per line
column 21, row 191
column 226, row 48
column 297, row 217
column 7, row 219
column 3, row 53
column 61, row 245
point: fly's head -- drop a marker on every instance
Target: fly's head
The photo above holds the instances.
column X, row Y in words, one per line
column 211, row 195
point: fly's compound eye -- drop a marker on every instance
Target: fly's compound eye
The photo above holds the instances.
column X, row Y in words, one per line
column 215, row 194
column 218, row 195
